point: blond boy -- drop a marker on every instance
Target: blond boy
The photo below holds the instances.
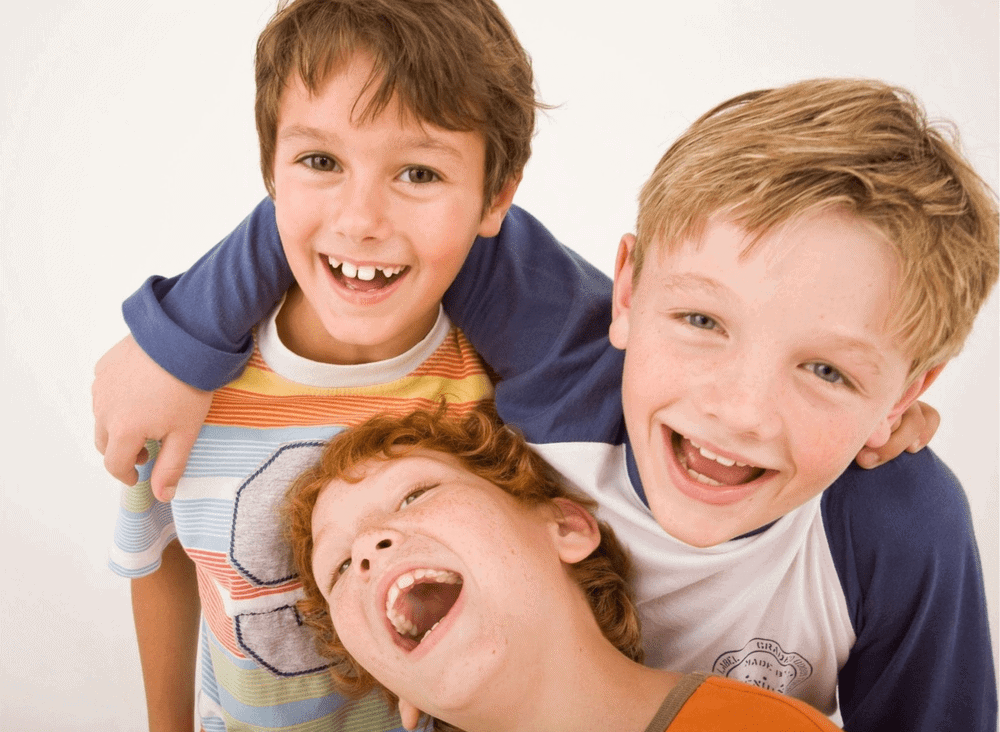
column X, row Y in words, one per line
column 807, row 260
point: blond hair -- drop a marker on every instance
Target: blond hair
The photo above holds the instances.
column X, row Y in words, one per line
column 766, row 157
column 456, row 64
column 487, row 449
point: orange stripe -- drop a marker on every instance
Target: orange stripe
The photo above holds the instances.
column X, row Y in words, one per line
column 217, row 567
column 231, row 406
column 214, row 613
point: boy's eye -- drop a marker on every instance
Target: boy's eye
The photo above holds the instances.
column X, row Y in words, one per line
column 827, row 372
column 412, row 497
column 419, row 175
column 322, row 163
column 343, row 567
column 699, row 320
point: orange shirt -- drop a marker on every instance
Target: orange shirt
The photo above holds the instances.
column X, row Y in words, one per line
column 704, row 703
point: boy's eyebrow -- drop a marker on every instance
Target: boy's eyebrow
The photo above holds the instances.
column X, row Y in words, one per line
column 418, row 142
column 864, row 350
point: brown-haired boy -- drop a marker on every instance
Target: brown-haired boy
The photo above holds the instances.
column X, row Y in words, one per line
column 446, row 563
column 763, row 351
column 392, row 134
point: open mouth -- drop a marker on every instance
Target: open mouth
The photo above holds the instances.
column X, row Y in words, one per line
column 367, row 278
column 710, row 469
column 418, row 600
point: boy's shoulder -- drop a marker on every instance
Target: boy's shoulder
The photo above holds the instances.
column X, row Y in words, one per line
column 899, row 534
column 912, row 498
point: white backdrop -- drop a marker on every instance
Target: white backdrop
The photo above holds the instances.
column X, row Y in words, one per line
column 129, row 148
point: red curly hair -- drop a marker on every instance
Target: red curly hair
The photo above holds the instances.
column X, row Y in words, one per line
column 487, row 449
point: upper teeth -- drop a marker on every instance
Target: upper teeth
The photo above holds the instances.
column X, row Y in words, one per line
column 717, row 458
column 399, row 621
column 365, row 272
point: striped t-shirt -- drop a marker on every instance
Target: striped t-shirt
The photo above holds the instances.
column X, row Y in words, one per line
column 257, row 664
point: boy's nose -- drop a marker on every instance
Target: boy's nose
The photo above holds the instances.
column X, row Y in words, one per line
column 362, row 215
column 745, row 399
column 371, row 547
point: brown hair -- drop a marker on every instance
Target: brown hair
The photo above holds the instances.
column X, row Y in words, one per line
column 456, row 64
column 766, row 157
column 486, row 448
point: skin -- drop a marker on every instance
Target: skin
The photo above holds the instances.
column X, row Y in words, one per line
column 392, row 192
column 776, row 358
column 520, row 622
column 166, row 608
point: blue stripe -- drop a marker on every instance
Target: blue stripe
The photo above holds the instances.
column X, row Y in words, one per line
column 136, row 532
column 237, row 451
column 204, row 523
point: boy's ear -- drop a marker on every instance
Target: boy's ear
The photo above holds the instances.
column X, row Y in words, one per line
column 490, row 225
column 919, row 385
column 574, row 531
column 409, row 714
column 621, row 300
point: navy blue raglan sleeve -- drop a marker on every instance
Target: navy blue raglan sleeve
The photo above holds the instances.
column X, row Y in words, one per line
column 902, row 540
column 538, row 313
column 197, row 325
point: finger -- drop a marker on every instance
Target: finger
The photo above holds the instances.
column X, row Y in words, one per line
column 409, row 715
column 932, row 420
column 120, row 458
column 170, row 463
column 905, row 431
column 100, row 438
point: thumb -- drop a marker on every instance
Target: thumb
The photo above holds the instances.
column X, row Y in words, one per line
column 170, row 463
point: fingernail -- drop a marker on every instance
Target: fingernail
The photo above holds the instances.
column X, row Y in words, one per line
column 916, row 447
column 868, row 459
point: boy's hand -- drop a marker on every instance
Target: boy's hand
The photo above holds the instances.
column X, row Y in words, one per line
column 135, row 400
column 911, row 432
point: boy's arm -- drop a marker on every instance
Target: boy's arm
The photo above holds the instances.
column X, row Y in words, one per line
column 902, row 540
column 166, row 609
column 196, row 326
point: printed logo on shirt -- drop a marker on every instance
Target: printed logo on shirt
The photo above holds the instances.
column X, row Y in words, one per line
column 276, row 637
column 764, row 663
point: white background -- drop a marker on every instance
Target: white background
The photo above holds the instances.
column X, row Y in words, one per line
column 129, row 148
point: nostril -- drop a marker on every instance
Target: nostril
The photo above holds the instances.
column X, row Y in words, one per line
column 384, row 544
column 364, row 564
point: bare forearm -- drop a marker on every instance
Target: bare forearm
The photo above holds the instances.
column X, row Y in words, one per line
column 166, row 610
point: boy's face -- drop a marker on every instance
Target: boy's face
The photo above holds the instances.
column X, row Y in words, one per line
column 751, row 382
column 421, row 543
column 376, row 217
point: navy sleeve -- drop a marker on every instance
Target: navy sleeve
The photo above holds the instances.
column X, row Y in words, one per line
column 903, row 544
column 538, row 313
column 197, row 325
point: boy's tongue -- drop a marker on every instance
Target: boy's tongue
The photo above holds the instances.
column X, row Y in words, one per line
column 727, row 475
column 359, row 285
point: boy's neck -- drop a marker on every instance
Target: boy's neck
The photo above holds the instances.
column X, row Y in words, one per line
column 302, row 332
column 589, row 686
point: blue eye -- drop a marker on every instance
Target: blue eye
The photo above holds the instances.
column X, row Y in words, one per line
column 322, row 163
column 827, row 372
column 419, row 175
column 700, row 321
column 343, row 567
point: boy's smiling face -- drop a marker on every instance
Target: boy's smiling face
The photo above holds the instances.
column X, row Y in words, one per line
column 752, row 380
column 376, row 218
column 419, row 543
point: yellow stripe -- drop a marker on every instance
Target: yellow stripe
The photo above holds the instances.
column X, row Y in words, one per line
column 267, row 383
column 260, row 688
